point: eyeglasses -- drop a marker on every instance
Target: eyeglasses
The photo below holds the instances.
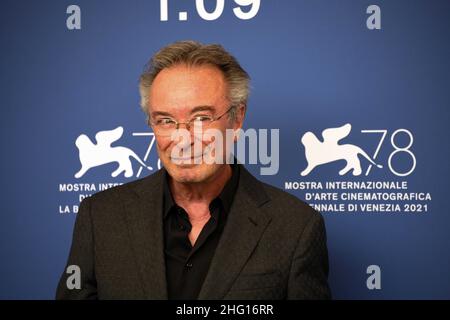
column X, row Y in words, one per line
column 164, row 126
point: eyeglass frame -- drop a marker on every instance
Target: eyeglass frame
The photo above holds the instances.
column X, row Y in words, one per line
column 188, row 123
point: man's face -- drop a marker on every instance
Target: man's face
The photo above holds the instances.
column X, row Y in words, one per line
column 177, row 93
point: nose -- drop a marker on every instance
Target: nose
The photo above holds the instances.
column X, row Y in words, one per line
column 187, row 125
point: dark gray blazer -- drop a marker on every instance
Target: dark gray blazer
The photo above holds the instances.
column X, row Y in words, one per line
column 273, row 246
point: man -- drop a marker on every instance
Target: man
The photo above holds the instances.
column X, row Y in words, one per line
column 196, row 229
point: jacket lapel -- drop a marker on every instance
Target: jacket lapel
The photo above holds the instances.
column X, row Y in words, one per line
column 144, row 217
column 245, row 225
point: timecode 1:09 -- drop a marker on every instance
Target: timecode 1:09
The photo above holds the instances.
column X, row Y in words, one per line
column 218, row 10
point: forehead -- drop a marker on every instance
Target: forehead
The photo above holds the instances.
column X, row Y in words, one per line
column 181, row 87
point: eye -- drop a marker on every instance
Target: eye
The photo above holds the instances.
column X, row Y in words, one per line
column 201, row 118
column 164, row 121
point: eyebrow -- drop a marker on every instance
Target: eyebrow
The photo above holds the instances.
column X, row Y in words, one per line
column 203, row 108
column 194, row 110
column 160, row 113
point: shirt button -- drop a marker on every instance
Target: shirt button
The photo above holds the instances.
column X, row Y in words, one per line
column 189, row 265
column 182, row 228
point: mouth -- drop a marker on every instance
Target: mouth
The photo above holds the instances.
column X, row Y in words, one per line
column 186, row 159
column 190, row 160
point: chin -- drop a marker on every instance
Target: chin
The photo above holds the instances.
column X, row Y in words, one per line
column 191, row 173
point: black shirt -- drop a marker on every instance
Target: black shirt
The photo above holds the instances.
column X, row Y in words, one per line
column 187, row 265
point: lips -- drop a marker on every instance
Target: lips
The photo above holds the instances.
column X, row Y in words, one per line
column 186, row 159
column 206, row 150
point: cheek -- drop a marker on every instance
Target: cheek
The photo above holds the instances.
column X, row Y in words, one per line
column 224, row 138
column 163, row 144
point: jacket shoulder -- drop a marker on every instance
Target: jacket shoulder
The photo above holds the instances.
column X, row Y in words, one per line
column 129, row 189
column 288, row 207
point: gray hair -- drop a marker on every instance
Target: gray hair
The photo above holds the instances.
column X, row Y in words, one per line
column 193, row 53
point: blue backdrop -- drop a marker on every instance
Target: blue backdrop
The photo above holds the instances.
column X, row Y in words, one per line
column 314, row 65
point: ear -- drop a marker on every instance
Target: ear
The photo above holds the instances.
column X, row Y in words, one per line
column 240, row 115
column 239, row 120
